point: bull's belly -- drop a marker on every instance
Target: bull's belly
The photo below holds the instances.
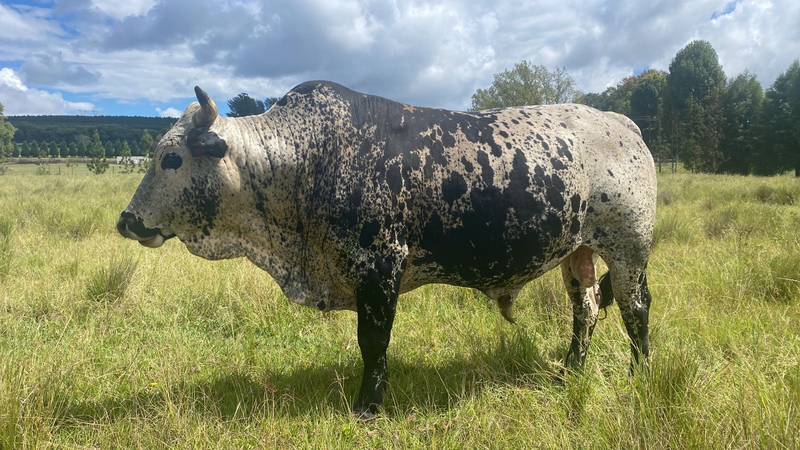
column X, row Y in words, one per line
column 506, row 266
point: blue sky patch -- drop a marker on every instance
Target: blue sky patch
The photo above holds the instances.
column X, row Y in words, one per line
column 729, row 8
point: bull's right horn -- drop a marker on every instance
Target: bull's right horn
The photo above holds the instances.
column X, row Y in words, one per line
column 208, row 111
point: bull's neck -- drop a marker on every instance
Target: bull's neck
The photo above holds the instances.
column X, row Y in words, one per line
column 282, row 151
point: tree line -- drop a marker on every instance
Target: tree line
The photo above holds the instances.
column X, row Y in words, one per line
column 82, row 148
column 80, row 128
column 690, row 114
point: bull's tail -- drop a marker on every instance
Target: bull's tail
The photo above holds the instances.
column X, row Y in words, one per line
column 606, row 293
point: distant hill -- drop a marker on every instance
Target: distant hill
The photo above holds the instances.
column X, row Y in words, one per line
column 68, row 128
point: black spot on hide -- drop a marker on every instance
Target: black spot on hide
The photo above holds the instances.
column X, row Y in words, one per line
column 368, row 233
column 453, row 188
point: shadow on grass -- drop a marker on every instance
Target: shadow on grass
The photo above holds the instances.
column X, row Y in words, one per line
column 416, row 386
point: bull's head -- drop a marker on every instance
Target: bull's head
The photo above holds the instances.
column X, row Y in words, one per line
column 190, row 173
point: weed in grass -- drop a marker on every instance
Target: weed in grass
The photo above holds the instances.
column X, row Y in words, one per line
column 85, row 225
column 578, row 386
column 12, row 399
column 778, row 195
column 6, row 250
column 665, row 198
column 776, row 277
column 720, row 222
column 110, row 283
column 671, row 227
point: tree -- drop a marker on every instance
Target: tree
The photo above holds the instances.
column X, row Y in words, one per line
column 269, row 101
column 146, row 147
column 618, row 98
column 694, row 94
column 109, row 148
column 647, row 110
column 97, row 152
column 135, row 149
column 33, row 151
column 26, row 150
column 63, row 150
column 71, row 163
column 781, row 120
column 127, row 162
column 146, row 143
column 72, row 149
column 53, row 150
column 527, row 84
column 82, row 139
column 244, row 105
column 741, row 107
column 6, row 140
column 118, row 148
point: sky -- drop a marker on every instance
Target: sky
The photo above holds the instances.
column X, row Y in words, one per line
column 143, row 57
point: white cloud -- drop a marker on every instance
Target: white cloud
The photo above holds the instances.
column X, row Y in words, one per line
column 26, row 24
column 19, row 99
column 169, row 112
column 119, row 9
column 434, row 53
column 50, row 69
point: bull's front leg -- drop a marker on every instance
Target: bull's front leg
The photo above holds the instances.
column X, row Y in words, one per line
column 376, row 302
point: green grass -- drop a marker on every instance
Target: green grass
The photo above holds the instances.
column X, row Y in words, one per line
column 106, row 344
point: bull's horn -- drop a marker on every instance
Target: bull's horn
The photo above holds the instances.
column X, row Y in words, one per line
column 208, row 111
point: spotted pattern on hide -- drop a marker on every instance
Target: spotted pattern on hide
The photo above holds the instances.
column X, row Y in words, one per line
column 334, row 192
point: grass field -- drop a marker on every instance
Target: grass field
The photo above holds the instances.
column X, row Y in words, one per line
column 106, row 344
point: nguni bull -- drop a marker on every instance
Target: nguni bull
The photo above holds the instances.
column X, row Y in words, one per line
column 348, row 200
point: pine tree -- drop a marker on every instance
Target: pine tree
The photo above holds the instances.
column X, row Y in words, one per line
column 63, row 150
column 127, row 162
column 53, row 149
column 146, row 147
column 33, row 151
column 97, row 152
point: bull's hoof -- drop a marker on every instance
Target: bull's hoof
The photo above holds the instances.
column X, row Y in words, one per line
column 364, row 414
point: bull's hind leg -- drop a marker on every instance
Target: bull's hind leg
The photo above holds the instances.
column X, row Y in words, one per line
column 584, row 306
column 629, row 283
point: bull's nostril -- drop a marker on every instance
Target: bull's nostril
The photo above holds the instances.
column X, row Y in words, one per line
column 131, row 226
column 122, row 226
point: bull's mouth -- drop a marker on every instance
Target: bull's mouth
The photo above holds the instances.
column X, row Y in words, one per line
column 155, row 241
column 132, row 227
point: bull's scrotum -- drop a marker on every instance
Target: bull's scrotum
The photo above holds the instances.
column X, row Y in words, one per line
column 348, row 200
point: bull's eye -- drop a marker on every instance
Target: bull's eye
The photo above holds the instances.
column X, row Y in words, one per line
column 171, row 161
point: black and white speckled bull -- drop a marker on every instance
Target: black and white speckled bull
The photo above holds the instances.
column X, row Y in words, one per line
column 348, row 200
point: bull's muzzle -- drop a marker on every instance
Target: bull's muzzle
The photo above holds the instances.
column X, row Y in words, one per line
column 132, row 227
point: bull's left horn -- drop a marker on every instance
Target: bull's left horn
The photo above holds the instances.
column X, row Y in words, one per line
column 208, row 111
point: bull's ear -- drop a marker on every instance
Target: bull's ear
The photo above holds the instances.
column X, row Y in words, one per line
column 202, row 142
column 207, row 113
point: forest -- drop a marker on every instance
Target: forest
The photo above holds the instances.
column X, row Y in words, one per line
column 690, row 116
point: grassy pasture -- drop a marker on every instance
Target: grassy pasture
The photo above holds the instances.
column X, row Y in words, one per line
column 106, row 344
